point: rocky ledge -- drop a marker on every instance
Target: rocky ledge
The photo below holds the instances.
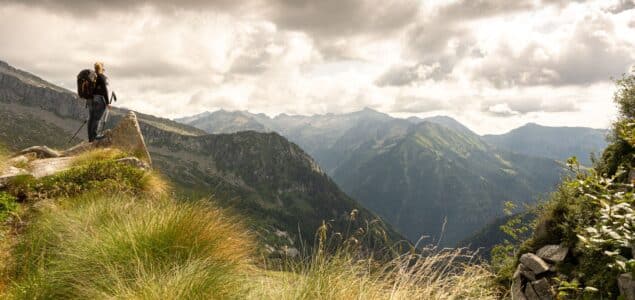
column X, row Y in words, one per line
column 40, row 161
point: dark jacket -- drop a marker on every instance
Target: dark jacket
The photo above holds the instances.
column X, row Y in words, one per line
column 101, row 88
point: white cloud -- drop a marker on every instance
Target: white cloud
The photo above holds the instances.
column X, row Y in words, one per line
column 474, row 60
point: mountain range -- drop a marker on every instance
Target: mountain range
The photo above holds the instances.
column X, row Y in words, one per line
column 430, row 177
column 260, row 175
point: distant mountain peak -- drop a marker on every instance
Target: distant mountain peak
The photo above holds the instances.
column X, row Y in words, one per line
column 449, row 122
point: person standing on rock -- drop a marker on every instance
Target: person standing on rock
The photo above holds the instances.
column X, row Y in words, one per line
column 99, row 103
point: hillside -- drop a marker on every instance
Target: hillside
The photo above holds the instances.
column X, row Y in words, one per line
column 275, row 182
column 94, row 222
column 557, row 143
column 405, row 169
column 441, row 183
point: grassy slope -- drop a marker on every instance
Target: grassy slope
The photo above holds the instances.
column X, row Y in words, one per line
column 102, row 230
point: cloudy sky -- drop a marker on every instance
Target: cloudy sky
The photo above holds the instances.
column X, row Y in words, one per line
column 493, row 65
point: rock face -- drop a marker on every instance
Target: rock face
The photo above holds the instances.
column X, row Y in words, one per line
column 533, row 277
column 535, row 263
column 553, row 253
column 627, row 286
column 127, row 137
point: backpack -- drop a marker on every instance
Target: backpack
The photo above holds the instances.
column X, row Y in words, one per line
column 86, row 82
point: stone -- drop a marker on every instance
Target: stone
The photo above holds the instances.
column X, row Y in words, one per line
column 18, row 160
column 526, row 272
column 517, row 285
column 542, row 289
column 133, row 162
column 9, row 173
column 530, row 294
column 40, row 152
column 535, row 263
column 627, row 286
column 49, row 166
column 553, row 253
column 127, row 137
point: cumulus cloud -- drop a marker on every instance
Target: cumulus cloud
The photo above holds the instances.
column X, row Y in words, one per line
column 484, row 59
column 591, row 52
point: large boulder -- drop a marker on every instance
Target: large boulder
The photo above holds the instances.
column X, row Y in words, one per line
column 553, row 253
column 535, row 263
column 126, row 136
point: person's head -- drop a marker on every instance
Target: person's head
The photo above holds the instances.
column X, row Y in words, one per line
column 99, row 67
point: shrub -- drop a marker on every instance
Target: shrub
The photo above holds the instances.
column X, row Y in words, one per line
column 125, row 247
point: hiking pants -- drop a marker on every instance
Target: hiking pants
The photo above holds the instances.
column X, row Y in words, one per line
column 96, row 109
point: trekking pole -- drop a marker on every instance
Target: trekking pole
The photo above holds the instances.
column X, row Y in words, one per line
column 80, row 128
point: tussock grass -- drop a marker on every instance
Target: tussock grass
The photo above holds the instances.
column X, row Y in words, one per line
column 100, row 154
column 94, row 247
column 437, row 274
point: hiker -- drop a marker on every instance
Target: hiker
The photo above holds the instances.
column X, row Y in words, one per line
column 99, row 103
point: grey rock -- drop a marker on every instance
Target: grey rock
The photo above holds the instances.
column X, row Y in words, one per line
column 49, row 166
column 627, row 286
column 127, row 136
column 10, row 173
column 526, row 272
column 40, row 152
column 553, row 253
column 517, row 286
column 530, row 293
column 542, row 289
column 535, row 263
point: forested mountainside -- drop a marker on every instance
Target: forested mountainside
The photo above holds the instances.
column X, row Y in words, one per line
column 423, row 175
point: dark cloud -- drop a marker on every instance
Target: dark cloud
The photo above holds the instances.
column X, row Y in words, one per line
column 593, row 53
column 343, row 18
column 622, row 5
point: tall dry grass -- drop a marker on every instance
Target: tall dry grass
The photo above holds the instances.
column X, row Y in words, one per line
column 95, row 247
column 437, row 274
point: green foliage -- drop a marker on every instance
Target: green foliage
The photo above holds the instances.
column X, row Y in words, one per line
column 624, row 96
column 592, row 213
column 119, row 246
column 504, row 255
column 8, row 206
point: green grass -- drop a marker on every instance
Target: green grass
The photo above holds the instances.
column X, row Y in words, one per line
column 125, row 247
column 446, row 274
column 105, row 230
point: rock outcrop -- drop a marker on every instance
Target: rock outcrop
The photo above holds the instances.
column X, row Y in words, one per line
column 126, row 136
column 40, row 161
column 533, row 279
